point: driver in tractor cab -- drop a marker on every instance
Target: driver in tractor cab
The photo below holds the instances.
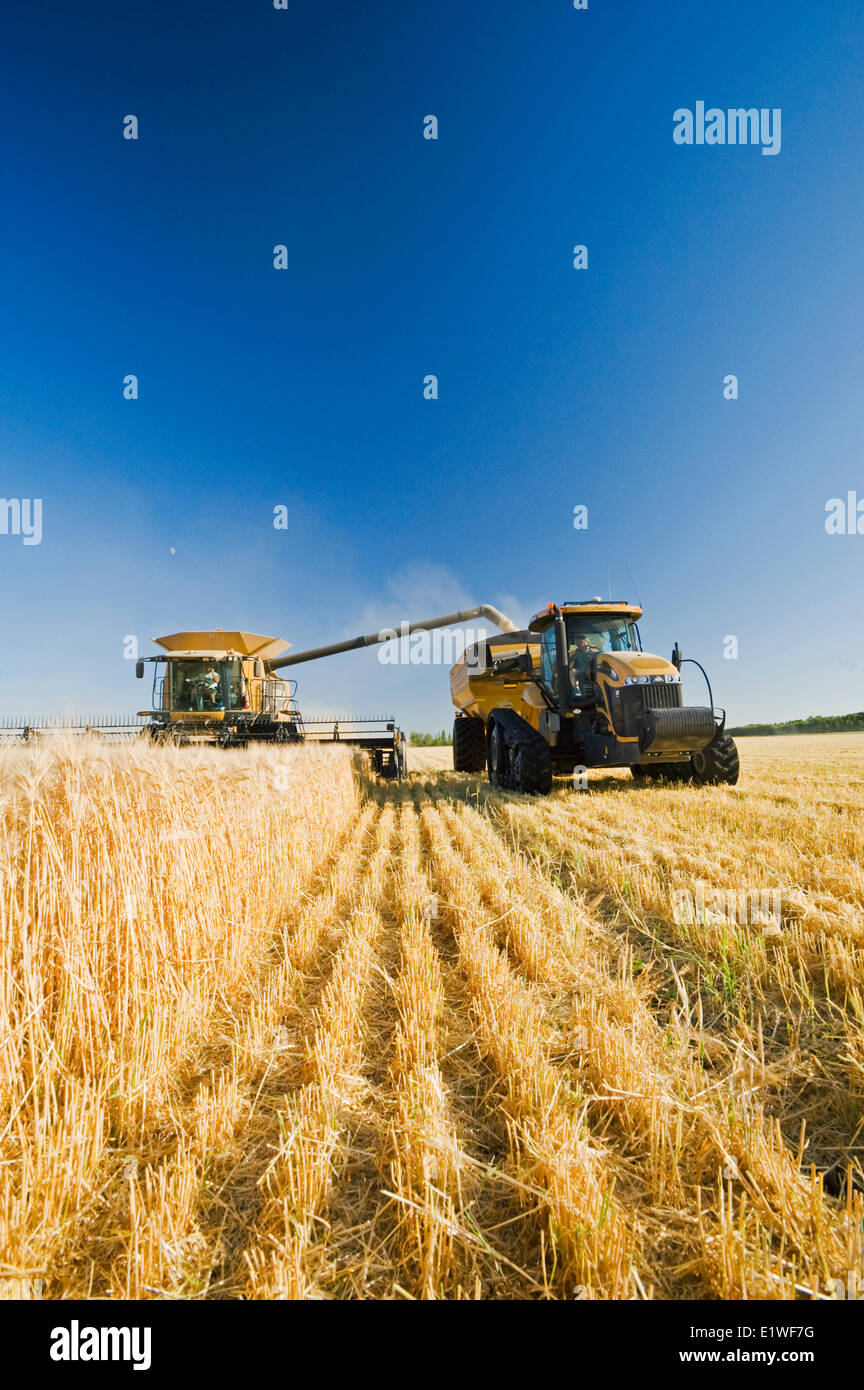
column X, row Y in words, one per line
column 581, row 655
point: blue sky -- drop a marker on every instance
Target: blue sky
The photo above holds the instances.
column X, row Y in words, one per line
column 304, row 387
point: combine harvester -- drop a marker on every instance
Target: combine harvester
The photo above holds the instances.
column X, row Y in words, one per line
column 218, row 688
column 572, row 691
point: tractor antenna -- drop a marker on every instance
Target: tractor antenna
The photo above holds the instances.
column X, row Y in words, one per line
column 635, row 590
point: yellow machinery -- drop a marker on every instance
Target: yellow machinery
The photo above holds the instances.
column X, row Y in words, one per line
column 215, row 683
column 575, row 690
column 219, row 687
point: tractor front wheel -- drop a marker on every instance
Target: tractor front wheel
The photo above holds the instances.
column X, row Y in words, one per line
column 718, row 763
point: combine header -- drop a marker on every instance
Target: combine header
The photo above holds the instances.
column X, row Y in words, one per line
column 112, row 728
column 375, row 734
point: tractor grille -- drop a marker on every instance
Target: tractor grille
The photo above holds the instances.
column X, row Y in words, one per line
column 630, row 705
column 660, row 696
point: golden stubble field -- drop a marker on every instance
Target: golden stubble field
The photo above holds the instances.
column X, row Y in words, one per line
column 269, row 1029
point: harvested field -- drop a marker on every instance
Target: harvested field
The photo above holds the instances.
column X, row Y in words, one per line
column 270, row 1029
column 430, row 759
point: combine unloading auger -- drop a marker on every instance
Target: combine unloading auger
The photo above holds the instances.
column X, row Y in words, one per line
column 391, row 634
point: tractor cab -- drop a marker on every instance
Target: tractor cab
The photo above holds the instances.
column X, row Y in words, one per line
column 573, row 637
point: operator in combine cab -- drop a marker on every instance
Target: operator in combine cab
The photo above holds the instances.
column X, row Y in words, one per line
column 210, row 688
column 201, row 689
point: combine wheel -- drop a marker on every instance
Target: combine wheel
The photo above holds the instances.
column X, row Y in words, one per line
column 469, row 744
column 518, row 755
column 717, row 763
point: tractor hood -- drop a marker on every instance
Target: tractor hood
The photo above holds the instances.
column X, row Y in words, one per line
column 636, row 668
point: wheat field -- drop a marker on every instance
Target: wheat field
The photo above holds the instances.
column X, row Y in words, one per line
column 273, row 1030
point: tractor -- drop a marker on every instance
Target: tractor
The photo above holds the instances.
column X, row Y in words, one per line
column 575, row 690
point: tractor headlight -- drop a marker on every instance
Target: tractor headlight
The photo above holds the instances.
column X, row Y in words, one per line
column 652, row 680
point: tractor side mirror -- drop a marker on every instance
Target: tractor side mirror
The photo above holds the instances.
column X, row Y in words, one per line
column 139, row 670
column 259, row 668
column 677, row 658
